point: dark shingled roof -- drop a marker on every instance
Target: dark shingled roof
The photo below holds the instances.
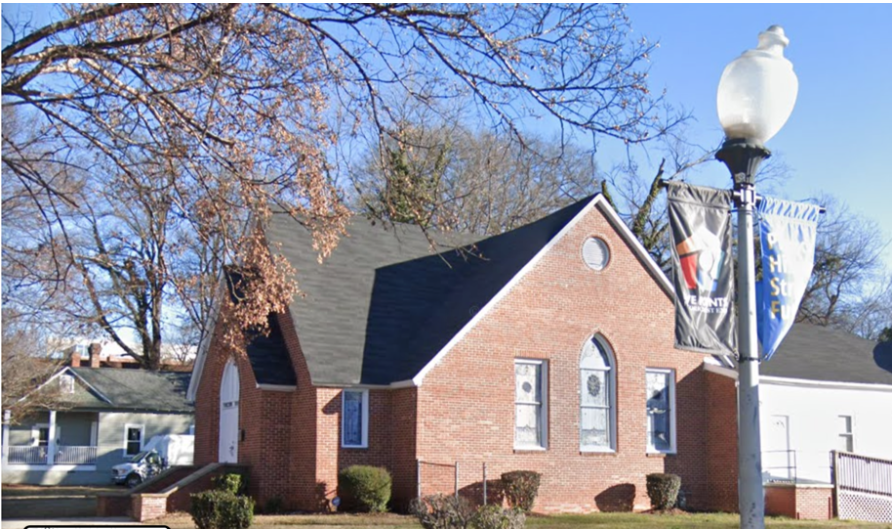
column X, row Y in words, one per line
column 137, row 390
column 825, row 354
column 383, row 304
column 270, row 359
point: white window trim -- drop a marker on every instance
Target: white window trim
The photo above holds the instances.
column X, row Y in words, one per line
column 852, row 431
column 543, row 417
column 365, row 415
column 611, row 400
column 127, row 427
column 673, row 438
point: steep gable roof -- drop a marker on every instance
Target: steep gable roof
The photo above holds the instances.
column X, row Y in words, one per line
column 270, row 359
column 383, row 305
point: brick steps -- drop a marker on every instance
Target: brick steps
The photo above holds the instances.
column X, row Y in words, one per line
column 169, row 492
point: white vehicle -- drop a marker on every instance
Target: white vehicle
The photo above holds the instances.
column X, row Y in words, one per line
column 161, row 452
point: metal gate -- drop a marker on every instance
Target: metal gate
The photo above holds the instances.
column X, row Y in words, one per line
column 862, row 487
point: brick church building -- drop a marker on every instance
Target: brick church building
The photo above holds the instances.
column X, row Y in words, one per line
column 546, row 348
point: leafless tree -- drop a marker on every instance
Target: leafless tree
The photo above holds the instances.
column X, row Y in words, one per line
column 454, row 179
column 849, row 288
column 26, row 364
column 216, row 113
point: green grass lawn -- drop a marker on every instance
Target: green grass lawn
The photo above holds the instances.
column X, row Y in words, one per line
column 694, row 520
column 601, row 520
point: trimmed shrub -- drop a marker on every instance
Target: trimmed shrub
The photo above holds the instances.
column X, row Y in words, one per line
column 233, row 482
column 221, row 509
column 442, row 511
column 491, row 516
column 662, row 488
column 365, row 488
column 521, row 488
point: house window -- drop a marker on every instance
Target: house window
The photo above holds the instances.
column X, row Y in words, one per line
column 355, row 412
column 844, row 424
column 660, row 411
column 40, row 434
column 133, row 439
column 597, row 383
column 67, row 384
column 531, row 412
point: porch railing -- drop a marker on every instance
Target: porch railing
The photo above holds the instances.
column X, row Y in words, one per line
column 76, row 454
column 65, row 455
column 863, row 487
column 28, row 454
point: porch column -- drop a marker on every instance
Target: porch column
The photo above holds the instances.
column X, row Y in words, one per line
column 6, row 419
column 51, row 440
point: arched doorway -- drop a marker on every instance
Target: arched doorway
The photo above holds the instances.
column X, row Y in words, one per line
column 228, row 436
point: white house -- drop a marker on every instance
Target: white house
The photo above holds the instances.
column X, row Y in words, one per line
column 109, row 416
column 823, row 390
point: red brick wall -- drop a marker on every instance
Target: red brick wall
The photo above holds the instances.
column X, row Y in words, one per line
column 113, row 504
column 814, row 502
column 780, row 500
column 267, row 419
column 466, row 404
column 390, row 440
column 721, row 446
column 807, row 502
column 148, row 506
column 404, row 445
column 207, row 413
column 305, row 492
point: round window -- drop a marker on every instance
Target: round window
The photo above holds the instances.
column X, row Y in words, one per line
column 596, row 253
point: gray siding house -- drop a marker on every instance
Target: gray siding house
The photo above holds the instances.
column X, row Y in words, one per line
column 111, row 413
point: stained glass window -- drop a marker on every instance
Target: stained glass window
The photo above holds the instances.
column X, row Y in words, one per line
column 530, row 428
column 659, row 410
column 354, row 421
column 596, row 383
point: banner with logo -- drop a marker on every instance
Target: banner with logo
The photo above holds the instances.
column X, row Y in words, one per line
column 787, row 238
column 702, row 272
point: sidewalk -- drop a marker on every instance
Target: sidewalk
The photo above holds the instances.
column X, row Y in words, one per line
column 112, row 522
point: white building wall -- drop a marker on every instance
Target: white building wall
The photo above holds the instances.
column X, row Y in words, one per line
column 812, row 414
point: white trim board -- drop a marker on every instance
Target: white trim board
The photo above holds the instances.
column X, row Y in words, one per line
column 71, row 372
column 275, row 388
column 712, row 365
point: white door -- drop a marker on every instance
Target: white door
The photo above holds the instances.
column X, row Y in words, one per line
column 777, row 458
column 228, row 437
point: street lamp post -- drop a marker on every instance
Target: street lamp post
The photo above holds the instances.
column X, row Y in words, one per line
column 756, row 95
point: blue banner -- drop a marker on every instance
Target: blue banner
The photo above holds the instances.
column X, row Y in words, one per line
column 787, row 239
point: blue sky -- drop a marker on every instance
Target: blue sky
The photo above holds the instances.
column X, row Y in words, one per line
column 839, row 138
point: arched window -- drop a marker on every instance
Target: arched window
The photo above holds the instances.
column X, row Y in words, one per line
column 597, row 388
